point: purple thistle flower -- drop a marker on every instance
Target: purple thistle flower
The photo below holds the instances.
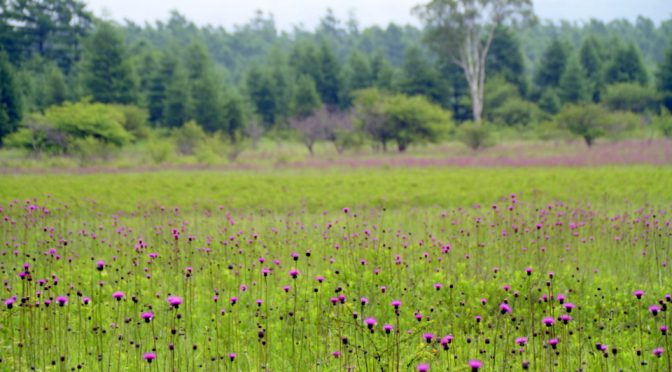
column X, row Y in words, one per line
column 396, row 304
column 387, row 328
column 147, row 316
column 174, row 301
column 423, row 367
column 61, row 300
column 663, row 330
column 336, row 354
column 654, row 309
column 233, row 300
column 568, row 306
column 294, row 273
column 10, row 302
column 118, row 295
column 504, row 308
column 658, row 352
column 428, row 337
column 370, row 322
column 522, row 341
column 86, row 300
column 548, row 321
column 149, row 357
column 639, row 294
column 475, row 365
column 446, row 340
column 232, row 356
column 100, row 265
column 565, row 318
column 553, row 342
column 364, row 301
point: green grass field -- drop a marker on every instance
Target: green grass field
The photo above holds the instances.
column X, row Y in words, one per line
column 300, row 270
column 331, row 189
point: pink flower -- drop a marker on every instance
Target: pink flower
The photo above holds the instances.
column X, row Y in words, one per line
column 174, row 301
column 149, row 357
column 475, row 365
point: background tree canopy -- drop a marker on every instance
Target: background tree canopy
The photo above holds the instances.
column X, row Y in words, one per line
column 255, row 80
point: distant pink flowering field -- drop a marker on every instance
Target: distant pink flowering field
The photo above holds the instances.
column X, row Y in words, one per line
column 421, row 269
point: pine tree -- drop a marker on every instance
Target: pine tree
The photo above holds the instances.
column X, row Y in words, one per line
column 281, row 86
column 206, row 106
column 382, row 72
column 306, row 99
column 665, row 78
column 156, row 94
column 176, row 106
column 146, row 66
column 420, row 78
column 552, row 65
column 260, row 90
column 360, row 75
column 506, row 59
column 593, row 66
column 234, row 116
column 108, row 71
column 573, row 87
column 10, row 98
column 627, row 67
column 56, row 89
column 329, row 85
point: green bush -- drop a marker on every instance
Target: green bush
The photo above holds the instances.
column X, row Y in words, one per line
column 622, row 124
column 498, row 92
column 136, row 121
column 89, row 149
column 588, row 121
column 188, row 137
column 475, row 135
column 663, row 123
column 80, row 120
column 551, row 131
column 516, row 112
column 631, row 97
column 160, row 150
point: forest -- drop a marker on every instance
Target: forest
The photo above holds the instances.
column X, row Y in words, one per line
column 72, row 84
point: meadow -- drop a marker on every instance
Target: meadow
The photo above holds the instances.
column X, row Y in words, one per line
column 392, row 268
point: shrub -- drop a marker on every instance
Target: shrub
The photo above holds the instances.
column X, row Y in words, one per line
column 90, row 149
column 664, row 123
column 631, row 97
column 587, row 121
column 516, row 112
column 80, row 120
column 188, row 137
column 160, row 150
column 475, row 135
column 136, row 121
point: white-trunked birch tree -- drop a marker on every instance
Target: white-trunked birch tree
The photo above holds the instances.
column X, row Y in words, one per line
column 462, row 31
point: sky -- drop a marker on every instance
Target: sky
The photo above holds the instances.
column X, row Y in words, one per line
column 289, row 13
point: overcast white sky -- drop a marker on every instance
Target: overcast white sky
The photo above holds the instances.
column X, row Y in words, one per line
column 287, row 13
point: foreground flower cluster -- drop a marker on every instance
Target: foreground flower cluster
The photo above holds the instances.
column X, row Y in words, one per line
column 513, row 285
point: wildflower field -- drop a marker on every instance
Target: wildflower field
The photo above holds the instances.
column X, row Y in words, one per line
column 399, row 269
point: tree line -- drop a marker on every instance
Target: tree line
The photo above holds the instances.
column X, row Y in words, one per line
column 69, row 80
